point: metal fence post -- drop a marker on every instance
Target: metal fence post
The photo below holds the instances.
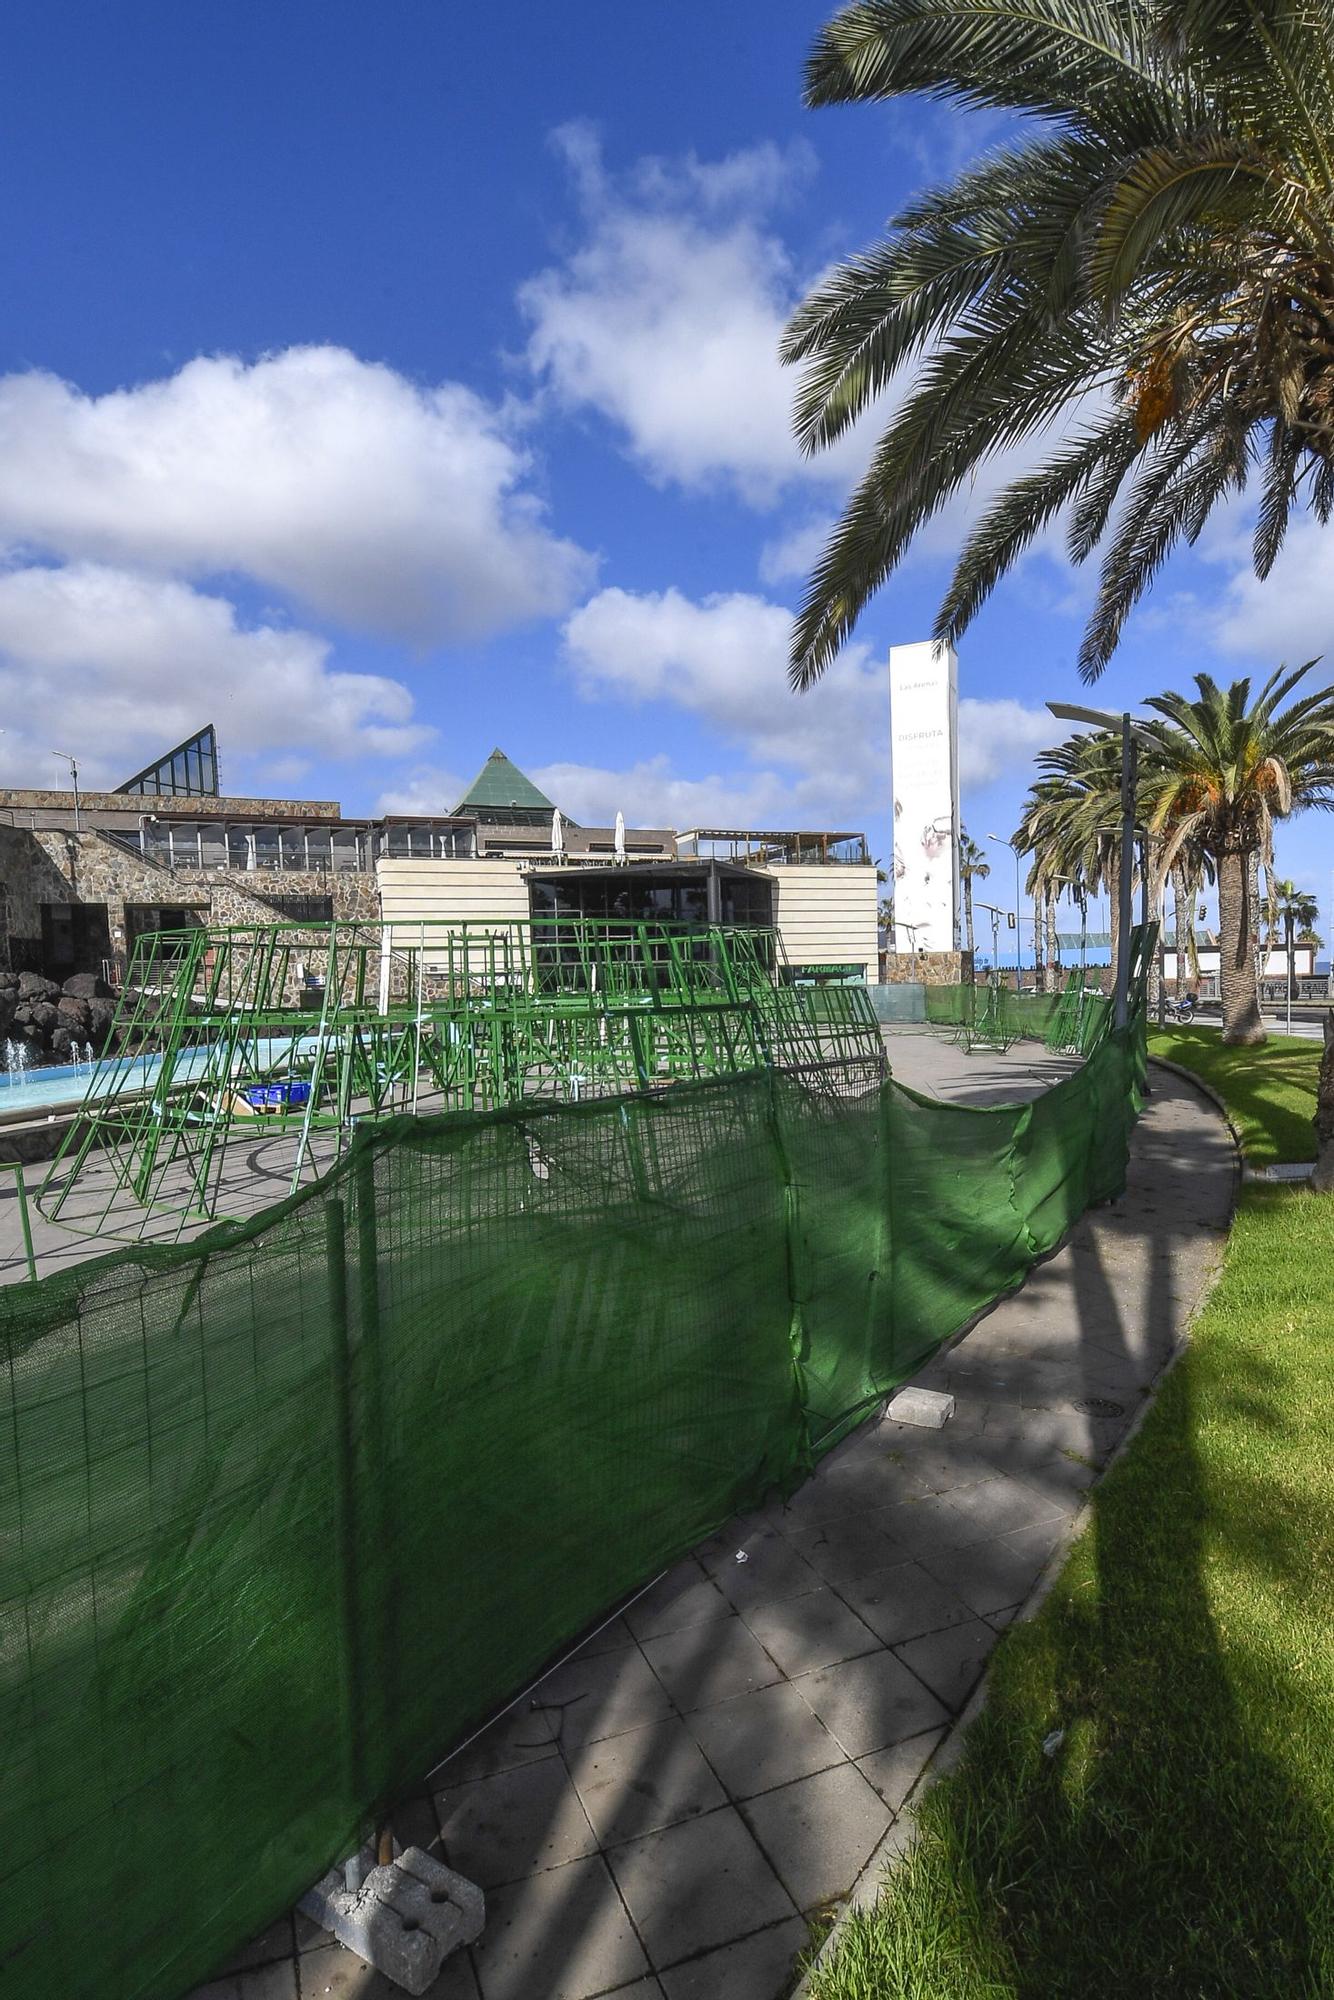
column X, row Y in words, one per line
column 371, row 1355
column 345, row 1516
column 796, row 1332
column 15, row 1167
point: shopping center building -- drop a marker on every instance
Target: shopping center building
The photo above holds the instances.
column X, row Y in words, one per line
column 83, row 874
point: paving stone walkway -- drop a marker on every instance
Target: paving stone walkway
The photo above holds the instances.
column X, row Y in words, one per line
column 663, row 1816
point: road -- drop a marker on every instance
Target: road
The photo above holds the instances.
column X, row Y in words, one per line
column 1306, row 1029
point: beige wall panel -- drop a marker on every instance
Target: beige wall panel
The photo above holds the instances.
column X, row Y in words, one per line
column 827, row 916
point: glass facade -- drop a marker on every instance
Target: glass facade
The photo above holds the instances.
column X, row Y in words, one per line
column 188, row 771
column 663, row 894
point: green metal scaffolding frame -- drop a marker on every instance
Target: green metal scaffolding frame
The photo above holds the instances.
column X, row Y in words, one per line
column 275, row 1041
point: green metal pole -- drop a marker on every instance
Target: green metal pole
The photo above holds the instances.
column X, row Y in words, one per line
column 344, row 1509
column 15, row 1167
column 371, row 1352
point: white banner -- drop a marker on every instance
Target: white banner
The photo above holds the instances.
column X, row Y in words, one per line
column 924, row 704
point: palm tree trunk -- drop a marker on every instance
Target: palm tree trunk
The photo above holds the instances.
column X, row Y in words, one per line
column 1053, row 942
column 968, row 911
column 1322, row 1180
column 1242, row 1025
column 1290, row 946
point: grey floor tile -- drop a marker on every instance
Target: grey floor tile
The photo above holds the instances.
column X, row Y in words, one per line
column 276, row 1981
column 951, row 1662
column 521, row 1736
column 895, row 1771
column 904, row 1601
column 942, row 1468
column 331, row 1973
column 819, row 1832
column 840, row 1550
column 709, row 1663
column 607, row 1638
column 773, row 1570
column 851, row 1486
column 757, row 1741
column 1000, row 1508
column 922, row 1525
column 563, row 1935
column 809, row 1631
column 275, row 1942
column 600, row 1696
column 756, row 1968
column 700, row 1884
column 990, row 1575
column 684, row 1597
column 870, row 1703
column 416, row 1824
column 646, row 1779
column 501, row 1828
column 739, row 1537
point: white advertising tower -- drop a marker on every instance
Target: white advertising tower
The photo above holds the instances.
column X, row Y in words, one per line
column 924, row 729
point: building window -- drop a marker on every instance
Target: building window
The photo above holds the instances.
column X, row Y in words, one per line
column 303, row 909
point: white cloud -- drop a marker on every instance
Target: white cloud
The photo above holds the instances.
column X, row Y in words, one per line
column 427, row 789
column 995, row 736
column 117, row 667
column 796, row 552
column 368, row 499
column 651, row 793
column 1289, row 616
column 666, row 318
column 817, row 759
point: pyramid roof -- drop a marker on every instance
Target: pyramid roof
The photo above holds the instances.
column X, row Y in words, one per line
column 500, row 784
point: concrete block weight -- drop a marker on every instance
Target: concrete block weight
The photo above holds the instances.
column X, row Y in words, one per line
column 929, row 1409
column 404, row 1918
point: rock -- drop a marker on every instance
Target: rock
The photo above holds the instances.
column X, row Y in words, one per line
column 101, row 1013
column 87, row 986
column 32, row 986
column 74, row 1013
column 43, row 1016
column 61, row 1043
column 8, row 1002
column 22, row 1015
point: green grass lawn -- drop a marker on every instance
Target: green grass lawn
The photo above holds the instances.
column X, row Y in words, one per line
column 1269, row 1091
column 1180, row 1841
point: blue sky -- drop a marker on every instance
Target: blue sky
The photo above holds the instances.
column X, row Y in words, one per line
column 383, row 384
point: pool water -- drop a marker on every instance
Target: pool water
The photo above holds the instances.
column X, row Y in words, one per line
column 33, row 1091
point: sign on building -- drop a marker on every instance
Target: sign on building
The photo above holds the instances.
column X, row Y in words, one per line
column 924, row 725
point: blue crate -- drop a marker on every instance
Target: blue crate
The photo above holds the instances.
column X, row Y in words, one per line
column 276, row 1096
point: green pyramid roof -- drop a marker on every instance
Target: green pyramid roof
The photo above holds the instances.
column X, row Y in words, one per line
column 500, row 784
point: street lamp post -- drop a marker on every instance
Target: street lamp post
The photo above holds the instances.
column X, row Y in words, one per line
column 1102, row 718
column 1001, row 841
column 74, row 774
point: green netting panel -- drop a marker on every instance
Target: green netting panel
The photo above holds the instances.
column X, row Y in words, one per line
column 284, row 1513
column 994, row 1016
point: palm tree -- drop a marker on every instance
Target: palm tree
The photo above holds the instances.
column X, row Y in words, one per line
column 973, row 867
column 1188, row 874
column 1140, row 287
column 1071, row 820
column 1295, row 910
column 1222, row 771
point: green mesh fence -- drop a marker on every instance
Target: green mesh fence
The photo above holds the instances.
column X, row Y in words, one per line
column 285, row 1512
column 994, row 1016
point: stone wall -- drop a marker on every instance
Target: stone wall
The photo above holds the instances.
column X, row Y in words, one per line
column 165, row 805
column 43, row 866
column 930, row 968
